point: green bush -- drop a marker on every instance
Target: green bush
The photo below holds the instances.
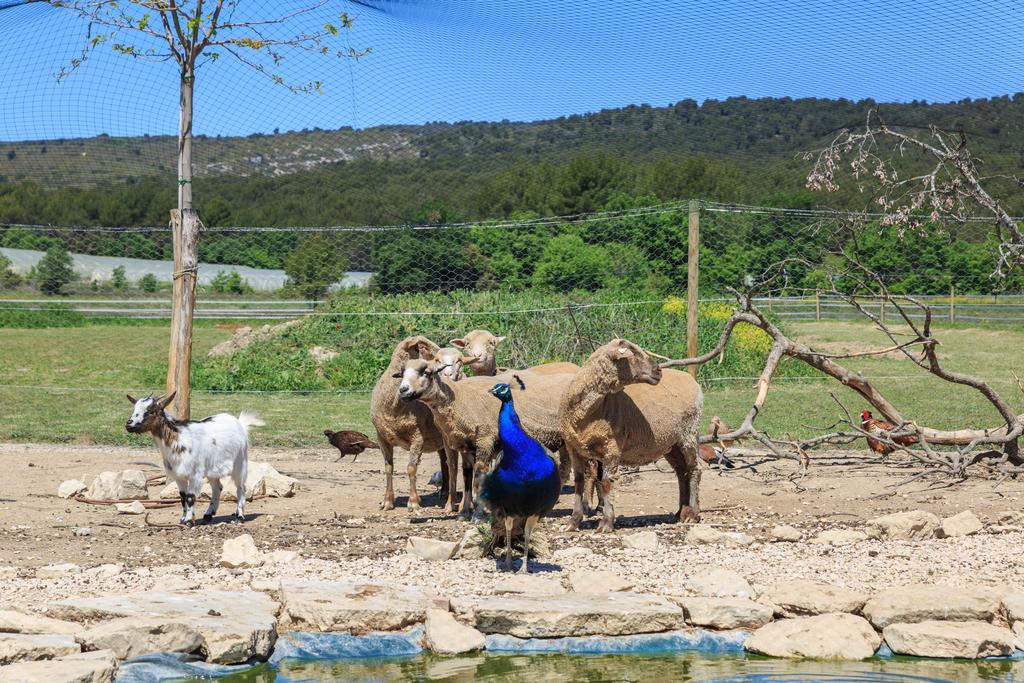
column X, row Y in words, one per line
column 229, row 283
column 314, row 266
column 569, row 263
column 54, row 271
column 148, row 283
column 120, row 280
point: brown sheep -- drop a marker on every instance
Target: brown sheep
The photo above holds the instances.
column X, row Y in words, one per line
column 469, row 422
column 622, row 408
column 405, row 425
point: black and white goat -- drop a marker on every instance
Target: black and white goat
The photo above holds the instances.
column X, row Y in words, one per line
column 197, row 450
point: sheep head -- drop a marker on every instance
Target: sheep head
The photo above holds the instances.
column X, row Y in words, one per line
column 632, row 364
column 148, row 413
column 451, row 361
column 480, row 347
column 418, row 377
column 415, row 347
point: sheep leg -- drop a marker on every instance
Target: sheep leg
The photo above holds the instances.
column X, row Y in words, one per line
column 688, row 476
column 509, row 522
column 564, row 464
column 389, row 472
column 238, row 476
column 608, row 476
column 415, row 453
column 442, row 456
column 579, row 468
column 451, row 463
column 215, row 488
column 527, row 529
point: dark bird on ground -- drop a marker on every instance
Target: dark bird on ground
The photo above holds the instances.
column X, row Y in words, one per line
column 715, row 455
column 524, row 483
column 349, row 443
column 872, row 426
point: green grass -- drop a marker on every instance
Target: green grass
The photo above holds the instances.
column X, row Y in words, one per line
column 67, row 385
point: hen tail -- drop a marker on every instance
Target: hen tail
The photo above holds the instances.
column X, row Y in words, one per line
column 250, row 419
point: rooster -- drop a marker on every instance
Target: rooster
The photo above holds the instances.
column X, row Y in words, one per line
column 872, row 426
column 349, row 443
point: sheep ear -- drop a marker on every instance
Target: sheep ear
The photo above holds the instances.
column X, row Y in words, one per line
column 459, row 343
column 131, row 399
column 397, row 375
column 498, row 340
column 167, row 401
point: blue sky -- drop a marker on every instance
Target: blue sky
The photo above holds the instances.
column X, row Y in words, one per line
column 524, row 60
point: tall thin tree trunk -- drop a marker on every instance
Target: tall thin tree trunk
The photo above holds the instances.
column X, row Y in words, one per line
column 186, row 224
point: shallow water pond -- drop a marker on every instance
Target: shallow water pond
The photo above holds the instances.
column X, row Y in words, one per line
column 688, row 666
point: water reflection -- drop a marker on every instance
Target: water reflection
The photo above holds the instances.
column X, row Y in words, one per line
column 676, row 667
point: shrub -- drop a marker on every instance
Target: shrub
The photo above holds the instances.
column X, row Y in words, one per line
column 148, row 283
column 569, row 263
column 229, row 283
column 314, row 266
column 54, row 271
column 120, row 279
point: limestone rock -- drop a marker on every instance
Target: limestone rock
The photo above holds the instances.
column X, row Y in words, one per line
column 471, row 546
column 282, row 557
column 963, row 524
column 129, row 484
column 808, row 598
column 446, row 636
column 86, row 667
column 236, row 625
column 645, row 540
column 904, row 526
column 55, row 571
column 261, row 479
column 720, row 583
column 8, row 572
column 839, row 537
column 23, row 647
column 785, row 533
column 725, row 613
column 71, row 488
column 240, row 552
column 704, row 534
column 133, row 508
column 431, row 548
column 912, row 604
column 1018, row 634
column 529, row 584
column 572, row 614
column 12, row 621
column 966, row 639
column 572, row 553
column 353, row 607
column 590, row 581
column 825, row 636
column 1013, row 605
column 132, row 637
column 1012, row 518
column 105, row 571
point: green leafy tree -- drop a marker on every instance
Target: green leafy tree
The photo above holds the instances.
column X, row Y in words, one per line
column 148, row 283
column 569, row 263
column 229, row 283
column 54, row 271
column 120, row 279
column 314, row 266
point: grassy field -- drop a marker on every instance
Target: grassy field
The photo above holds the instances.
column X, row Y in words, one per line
column 67, row 385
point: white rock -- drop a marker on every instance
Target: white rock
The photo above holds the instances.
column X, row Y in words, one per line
column 645, row 540
column 719, row 583
column 282, row 557
column 71, row 488
column 444, row 635
column 8, row 572
column 725, row 613
column 826, row 636
column 839, row 537
column 572, row 614
column 1012, row 518
column 963, row 524
column 129, row 484
column 904, row 526
column 133, row 637
column 354, row 606
column 105, row 571
column 236, row 625
column 261, row 479
column 965, row 639
column 704, row 534
column 784, row 533
column 591, row 581
column 55, row 571
column 798, row 597
column 431, row 548
column 133, row 508
column 576, row 552
column 1018, row 634
column 528, row 584
column 1013, row 605
column 22, row 647
column 471, row 545
column 240, row 552
column 915, row 603
column 85, row 667
column 12, row 621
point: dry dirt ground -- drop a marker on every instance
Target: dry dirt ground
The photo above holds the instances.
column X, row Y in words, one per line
column 335, row 525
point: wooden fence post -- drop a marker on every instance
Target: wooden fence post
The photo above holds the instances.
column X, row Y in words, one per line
column 817, row 305
column 692, row 280
column 185, row 230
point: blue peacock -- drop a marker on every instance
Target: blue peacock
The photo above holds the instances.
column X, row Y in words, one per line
column 524, row 483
